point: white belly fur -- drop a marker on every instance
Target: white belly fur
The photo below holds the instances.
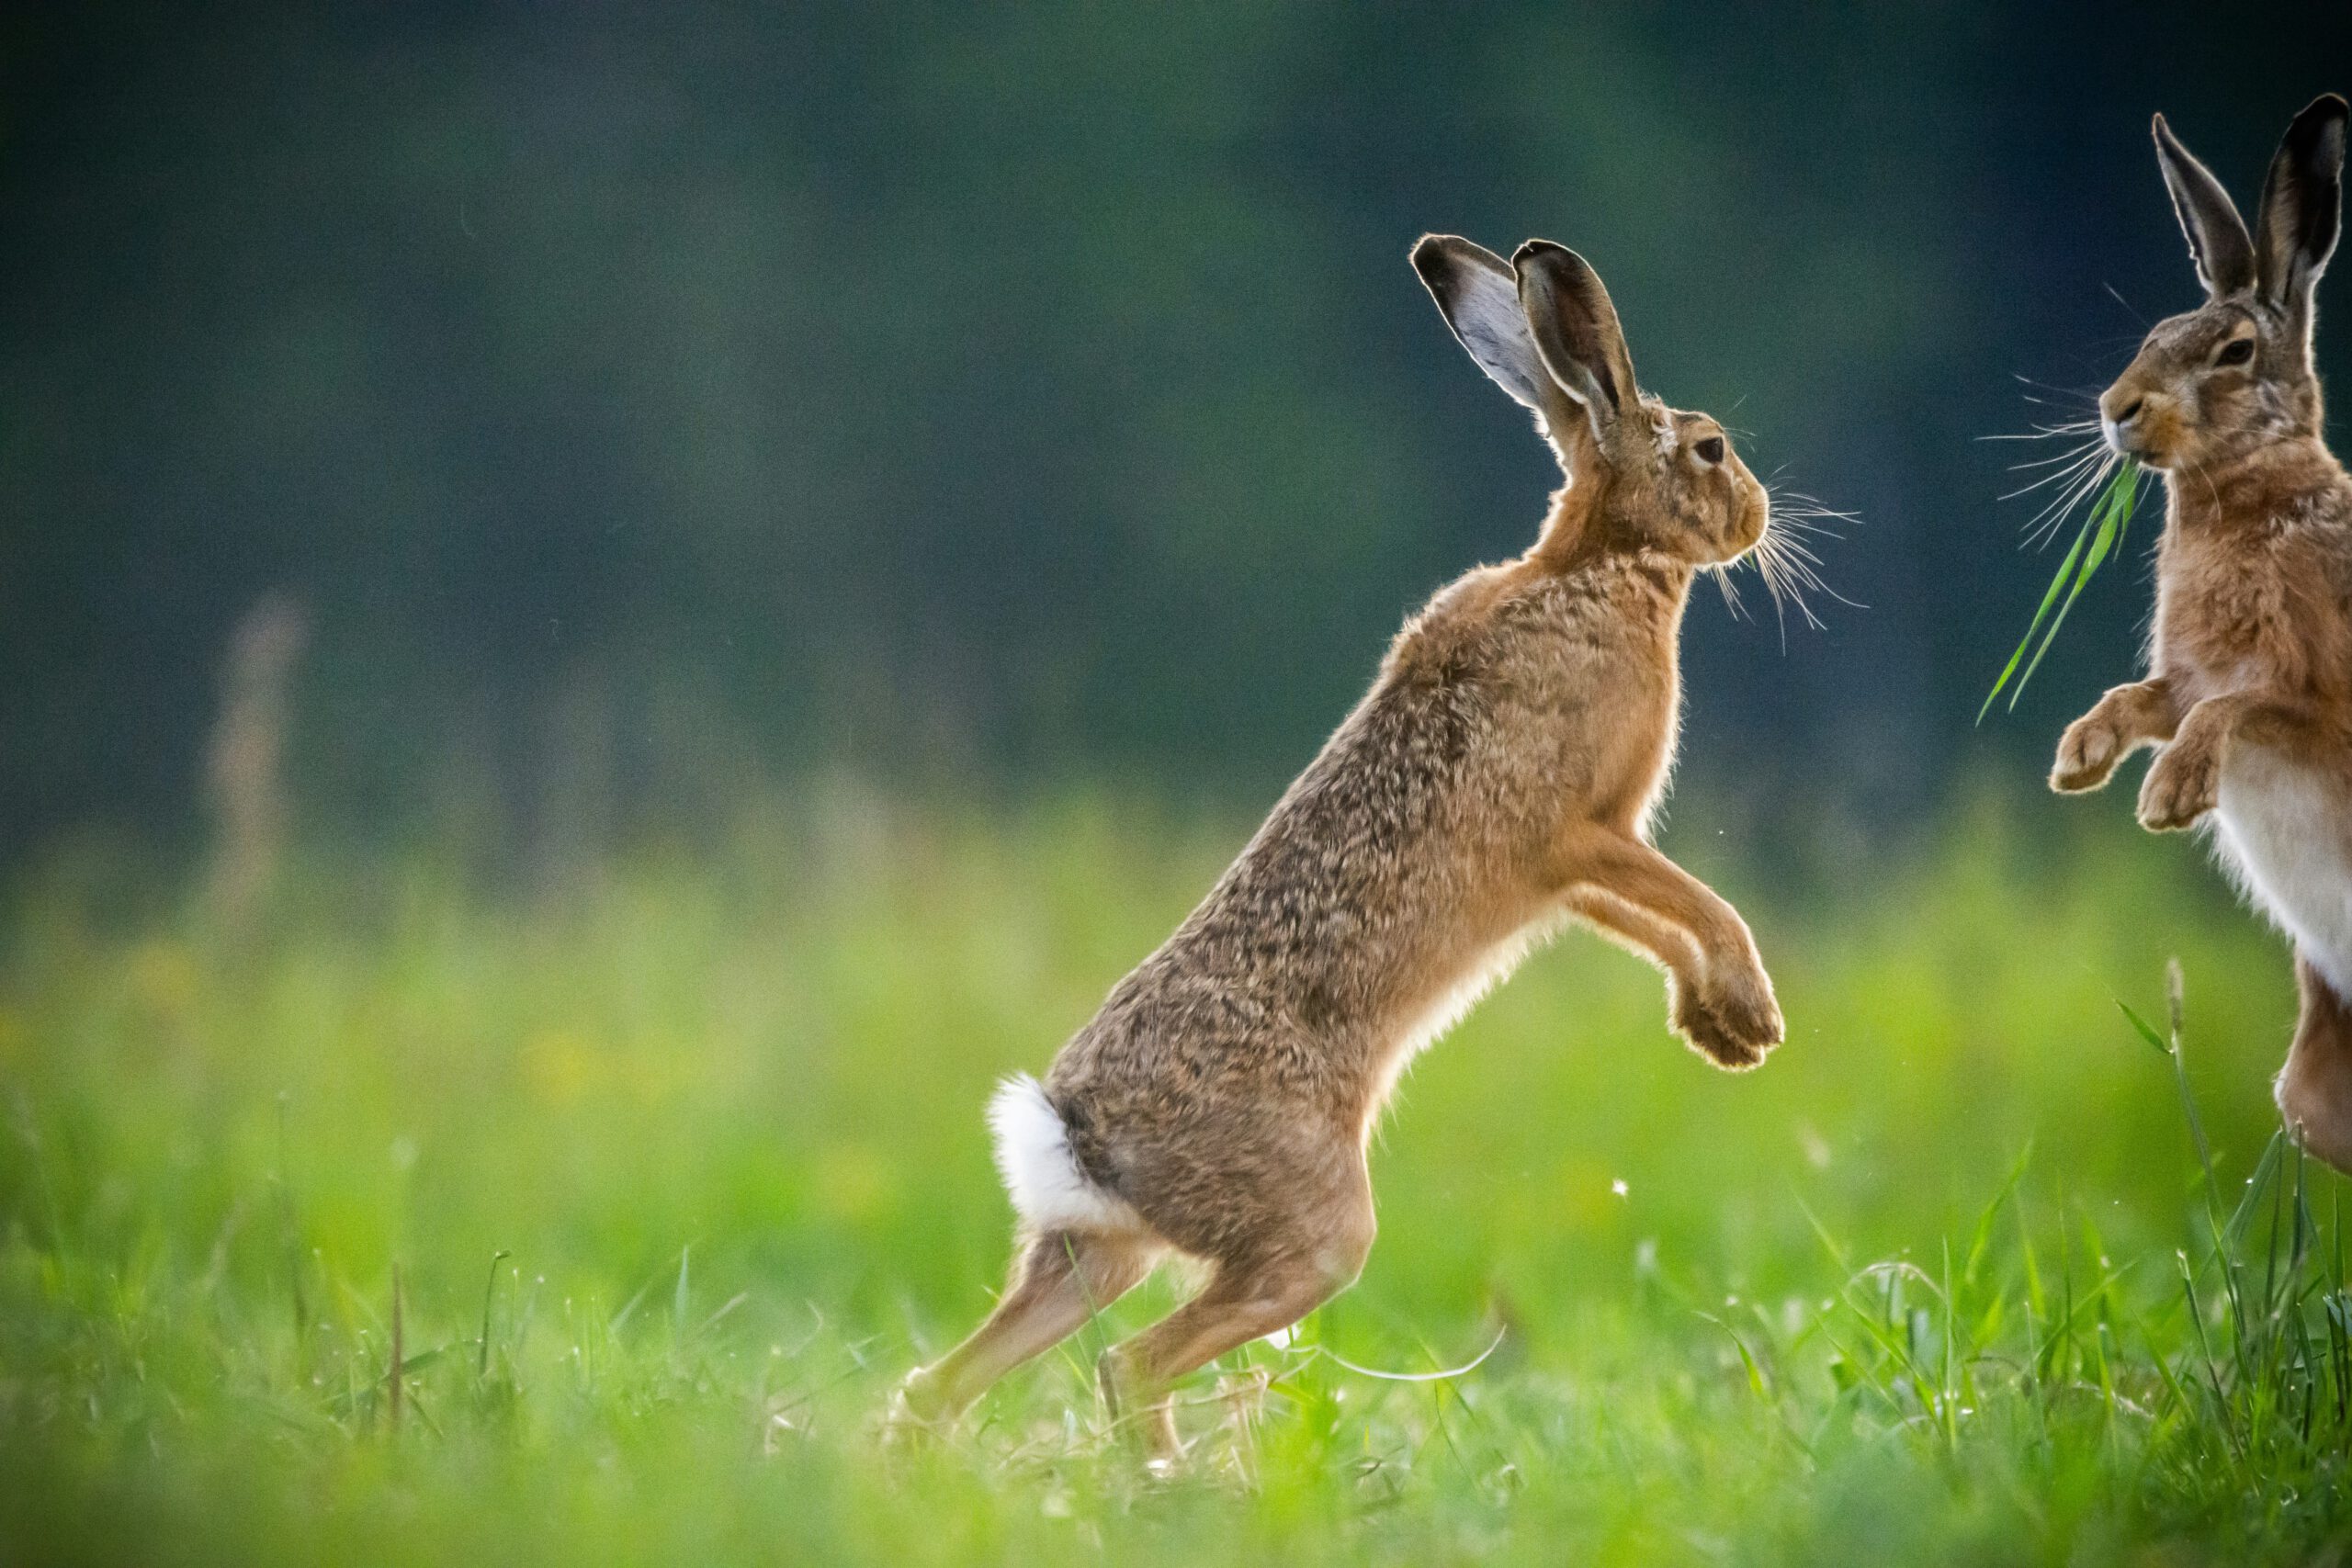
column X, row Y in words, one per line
column 2285, row 830
column 1449, row 1009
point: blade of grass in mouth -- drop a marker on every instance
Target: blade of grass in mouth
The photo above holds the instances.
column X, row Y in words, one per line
column 2101, row 532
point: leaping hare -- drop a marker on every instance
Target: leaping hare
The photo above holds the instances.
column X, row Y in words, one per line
column 2250, row 686
column 1497, row 779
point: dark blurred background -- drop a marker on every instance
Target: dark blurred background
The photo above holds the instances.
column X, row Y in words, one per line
column 639, row 406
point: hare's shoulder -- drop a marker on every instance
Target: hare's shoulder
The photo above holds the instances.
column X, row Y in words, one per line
column 1443, row 640
column 2330, row 524
column 2325, row 577
column 1483, row 621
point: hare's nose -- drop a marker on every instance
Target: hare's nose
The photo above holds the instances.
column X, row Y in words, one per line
column 2117, row 410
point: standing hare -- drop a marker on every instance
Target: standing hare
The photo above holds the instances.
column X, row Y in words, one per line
column 2250, row 689
column 1497, row 779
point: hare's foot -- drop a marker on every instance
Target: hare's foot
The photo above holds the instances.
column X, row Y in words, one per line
column 1733, row 1024
column 917, row 1413
column 2088, row 754
column 2315, row 1091
column 1144, row 1421
column 2183, row 786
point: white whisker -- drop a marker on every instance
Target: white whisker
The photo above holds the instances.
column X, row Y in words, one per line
column 1786, row 561
column 2047, row 432
column 2071, row 455
column 1730, row 592
column 2090, row 453
column 1804, row 528
column 1771, row 566
column 2052, row 517
column 1801, row 571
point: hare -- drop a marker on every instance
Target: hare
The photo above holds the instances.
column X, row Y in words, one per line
column 1497, row 780
column 2250, row 692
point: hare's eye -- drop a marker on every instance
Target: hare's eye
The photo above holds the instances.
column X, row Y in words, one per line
column 1711, row 450
column 2237, row 350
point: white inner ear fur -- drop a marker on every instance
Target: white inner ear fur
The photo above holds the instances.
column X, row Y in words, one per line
column 1492, row 325
column 1662, row 431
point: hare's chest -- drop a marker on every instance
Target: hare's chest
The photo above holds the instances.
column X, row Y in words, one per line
column 2213, row 618
column 1637, row 744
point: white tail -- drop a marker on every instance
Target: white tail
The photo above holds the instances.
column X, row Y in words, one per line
column 1048, row 1191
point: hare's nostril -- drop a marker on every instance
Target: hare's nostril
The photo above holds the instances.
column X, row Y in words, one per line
column 2126, row 415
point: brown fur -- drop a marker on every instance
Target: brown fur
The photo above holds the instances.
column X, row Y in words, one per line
column 1497, row 780
column 2250, row 663
column 2315, row 1088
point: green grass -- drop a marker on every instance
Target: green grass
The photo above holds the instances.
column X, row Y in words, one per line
column 2116, row 498
column 699, row 1145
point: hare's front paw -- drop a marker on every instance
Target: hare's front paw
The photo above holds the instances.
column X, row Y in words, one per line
column 1748, row 1008
column 1733, row 1024
column 2087, row 753
column 2183, row 785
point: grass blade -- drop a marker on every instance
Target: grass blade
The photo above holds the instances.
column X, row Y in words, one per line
column 489, row 1291
column 2105, row 529
column 2048, row 599
column 2101, row 532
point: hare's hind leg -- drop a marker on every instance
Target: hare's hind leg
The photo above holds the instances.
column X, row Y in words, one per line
column 1059, row 1279
column 2315, row 1088
column 1249, row 1295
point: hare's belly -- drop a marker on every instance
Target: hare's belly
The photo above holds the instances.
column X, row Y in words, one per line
column 2286, row 827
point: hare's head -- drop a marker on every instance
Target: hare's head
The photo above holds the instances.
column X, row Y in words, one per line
column 2235, row 373
column 1653, row 478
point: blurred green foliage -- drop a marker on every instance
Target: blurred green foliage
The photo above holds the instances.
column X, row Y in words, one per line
column 1013, row 393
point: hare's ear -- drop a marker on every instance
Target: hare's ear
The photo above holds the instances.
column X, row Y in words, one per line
column 2217, row 236
column 1479, row 300
column 2303, row 203
column 1576, row 330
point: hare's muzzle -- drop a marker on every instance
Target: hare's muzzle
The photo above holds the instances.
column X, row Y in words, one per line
column 2119, row 420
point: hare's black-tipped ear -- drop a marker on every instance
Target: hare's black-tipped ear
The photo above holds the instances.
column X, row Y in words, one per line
column 1576, row 329
column 2217, row 236
column 1479, row 298
column 2302, row 203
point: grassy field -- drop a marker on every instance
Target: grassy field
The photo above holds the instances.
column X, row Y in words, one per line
column 677, row 1171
